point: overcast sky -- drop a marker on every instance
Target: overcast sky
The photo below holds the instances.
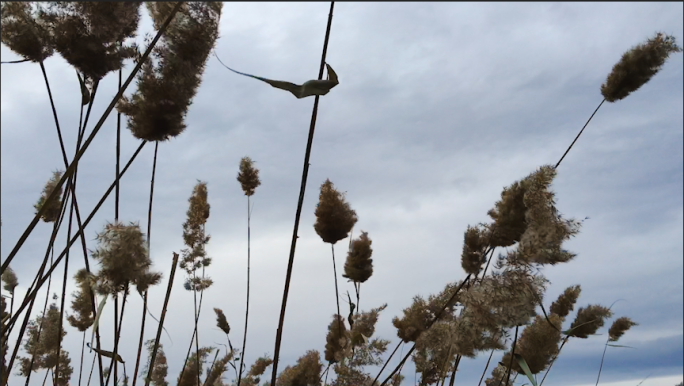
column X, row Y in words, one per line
column 439, row 106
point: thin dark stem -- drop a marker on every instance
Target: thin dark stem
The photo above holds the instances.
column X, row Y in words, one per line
column 141, row 342
column 194, row 332
column 211, row 368
column 42, row 320
column 510, row 364
column 118, row 324
column 578, row 135
column 32, row 294
column 432, row 322
column 486, row 367
column 302, row 189
column 337, row 294
column 118, row 157
column 197, row 333
column 453, row 373
column 149, row 238
column 601, row 366
column 71, row 182
column 244, row 337
column 80, row 367
column 96, row 129
column 387, row 362
column 565, row 340
column 16, row 61
column 161, row 320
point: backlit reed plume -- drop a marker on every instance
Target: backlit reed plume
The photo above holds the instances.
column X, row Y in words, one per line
column 221, row 321
column 9, row 283
column 334, row 221
column 338, row 341
column 566, row 301
column 168, row 82
column 81, row 303
column 306, row 372
column 194, row 257
column 43, row 346
column 259, row 367
column 475, row 243
column 538, row 344
column 91, row 36
column 588, row 320
column 55, row 206
column 217, row 369
column 617, row 329
column 421, row 312
column 25, row 32
column 161, row 367
column 358, row 267
column 637, row 66
column 248, row 177
column 124, row 260
column 194, row 368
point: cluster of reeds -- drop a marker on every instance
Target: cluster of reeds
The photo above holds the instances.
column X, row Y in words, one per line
column 502, row 309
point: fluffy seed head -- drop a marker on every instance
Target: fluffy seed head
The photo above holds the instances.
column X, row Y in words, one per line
column 248, row 177
column 588, row 320
column 306, row 372
column 637, row 66
column 338, row 341
column 157, row 110
column 9, row 280
column 55, row 206
column 334, row 216
column 364, row 325
column 475, row 243
column 221, row 321
column 123, row 257
column 566, row 301
column 25, row 32
column 619, row 327
column 538, row 344
column 81, row 303
column 88, row 34
column 546, row 230
column 359, row 265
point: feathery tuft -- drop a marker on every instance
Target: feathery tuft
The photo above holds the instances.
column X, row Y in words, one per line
column 588, row 320
column 25, row 32
column 566, row 301
column 334, row 216
column 157, row 110
column 619, row 327
column 248, row 177
column 359, row 265
column 637, row 66
column 221, row 321
column 55, row 206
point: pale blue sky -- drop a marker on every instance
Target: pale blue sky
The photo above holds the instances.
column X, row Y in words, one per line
column 440, row 105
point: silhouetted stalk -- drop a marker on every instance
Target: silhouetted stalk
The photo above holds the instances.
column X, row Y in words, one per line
column 40, row 325
column 244, row 337
column 149, row 238
column 71, row 182
column 211, row 368
column 72, row 166
column 565, row 340
column 32, row 294
column 510, row 364
column 80, row 367
column 387, row 362
column 491, row 353
column 337, row 294
column 605, row 347
column 578, row 135
column 302, row 189
column 161, row 319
